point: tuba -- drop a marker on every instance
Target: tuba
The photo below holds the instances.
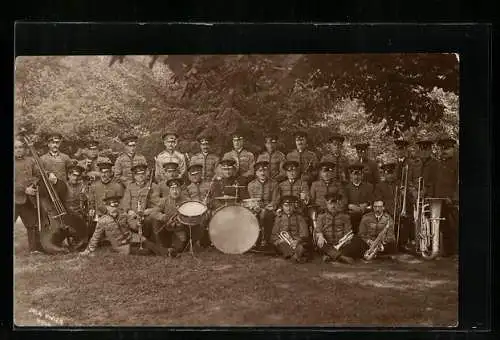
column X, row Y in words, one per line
column 285, row 236
column 427, row 215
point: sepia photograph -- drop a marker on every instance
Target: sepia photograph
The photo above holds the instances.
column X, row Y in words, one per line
column 236, row 190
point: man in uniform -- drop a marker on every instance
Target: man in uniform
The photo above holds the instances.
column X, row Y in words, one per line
column 56, row 163
column 267, row 191
column 25, row 191
column 114, row 225
column 229, row 184
column 103, row 187
column 370, row 167
column 333, row 225
column 359, row 195
column 91, row 161
column 293, row 185
column 386, row 189
column 170, row 171
column 373, row 223
column 208, row 161
column 274, row 157
column 335, row 144
column 169, row 155
column 198, row 188
column 167, row 230
column 139, row 200
column 294, row 245
column 446, row 185
column 244, row 160
column 125, row 161
column 307, row 159
column 424, row 167
column 325, row 185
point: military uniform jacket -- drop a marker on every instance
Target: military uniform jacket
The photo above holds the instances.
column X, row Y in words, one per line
column 198, row 191
column 294, row 224
column 165, row 190
column 385, row 191
column 267, row 191
column 167, row 208
column 446, row 182
column 90, row 166
column 123, row 166
column 293, row 188
column 308, row 161
column 167, row 157
column 135, row 193
column 116, row 231
column 245, row 161
column 402, row 162
column 220, row 187
column 371, row 226
column 276, row 160
column 209, row 163
column 425, row 168
column 76, row 198
column 98, row 190
column 24, row 176
column 320, row 188
column 333, row 226
column 370, row 171
column 362, row 193
column 341, row 167
column 56, row 164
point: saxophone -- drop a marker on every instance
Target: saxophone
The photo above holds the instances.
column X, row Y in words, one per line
column 285, row 236
column 377, row 245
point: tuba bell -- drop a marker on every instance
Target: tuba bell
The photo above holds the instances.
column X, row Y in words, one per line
column 427, row 216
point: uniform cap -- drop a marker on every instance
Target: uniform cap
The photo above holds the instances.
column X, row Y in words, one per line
column 139, row 168
column 389, row 166
column 174, row 182
column 333, row 196
column 336, row 137
column 227, row 163
column 327, row 166
column 113, row 199
column 54, row 136
column 300, row 134
column 425, row 143
column 75, row 170
column 204, row 139
column 105, row 166
column 288, row 199
column 93, row 144
column 170, row 135
column 195, row 169
column 356, row 167
column 272, row 136
column 288, row 165
column 361, row 146
column 446, row 142
column 261, row 165
column 170, row 166
column 129, row 139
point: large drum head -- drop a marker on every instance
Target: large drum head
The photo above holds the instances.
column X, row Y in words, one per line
column 234, row 229
column 192, row 208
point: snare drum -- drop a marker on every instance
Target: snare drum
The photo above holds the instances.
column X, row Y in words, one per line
column 253, row 204
column 233, row 229
column 191, row 212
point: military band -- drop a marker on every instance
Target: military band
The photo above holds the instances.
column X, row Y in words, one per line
column 357, row 206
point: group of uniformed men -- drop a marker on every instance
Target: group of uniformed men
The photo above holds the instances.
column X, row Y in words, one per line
column 122, row 198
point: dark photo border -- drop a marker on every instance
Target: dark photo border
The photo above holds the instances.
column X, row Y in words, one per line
column 471, row 41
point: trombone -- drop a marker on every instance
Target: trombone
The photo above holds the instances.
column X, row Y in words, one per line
column 401, row 200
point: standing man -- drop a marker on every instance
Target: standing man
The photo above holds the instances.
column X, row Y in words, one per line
column 208, row 161
column 335, row 145
column 267, row 191
column 359, row 195
column 370, row 167
column 128, row 159
column 307, row 159
column 326, row 185
column 244, row 160
column 91, row 161
column 446, row 186
column 169, row 155
column 56, row 163
column 101, row 188
column 274, row 157
column 25, row 191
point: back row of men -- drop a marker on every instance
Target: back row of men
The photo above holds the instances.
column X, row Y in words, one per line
column 269, row 178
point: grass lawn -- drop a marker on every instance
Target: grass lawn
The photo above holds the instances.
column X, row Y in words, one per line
column 220, row 290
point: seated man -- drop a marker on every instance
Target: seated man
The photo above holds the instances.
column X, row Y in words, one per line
column 114, row 226
column 290, row 234
column 325, row 185
column 374, row 224
column 167, row 230
column 229, row 185
column 334, row 235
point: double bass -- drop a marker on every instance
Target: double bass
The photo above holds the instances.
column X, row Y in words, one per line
column 56, row 224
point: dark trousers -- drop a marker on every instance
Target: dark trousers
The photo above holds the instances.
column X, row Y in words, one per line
column 355, row 220
column 166, row 237
column 406, row 231
column 287, row 252
column 449, row 229
column 266, row 221
column 28, row 214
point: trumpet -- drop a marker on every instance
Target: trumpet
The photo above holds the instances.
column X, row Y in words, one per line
column 285, row 236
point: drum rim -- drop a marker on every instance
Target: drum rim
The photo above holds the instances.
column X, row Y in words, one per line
column 192, row 201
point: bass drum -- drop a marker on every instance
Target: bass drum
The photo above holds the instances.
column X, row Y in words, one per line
column 234, row 229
